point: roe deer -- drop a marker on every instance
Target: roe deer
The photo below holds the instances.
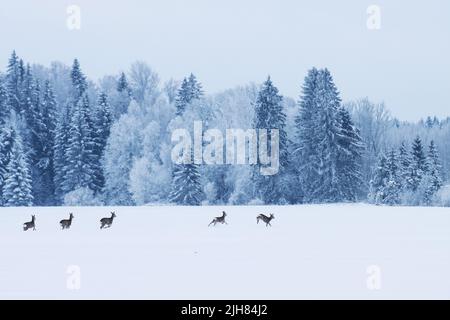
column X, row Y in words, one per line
column 30, row 225
column 219, row 219
column 65, row 224
column 265, row 218
column 107, row 222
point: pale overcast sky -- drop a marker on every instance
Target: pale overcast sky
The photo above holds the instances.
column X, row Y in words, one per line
column 230, row 42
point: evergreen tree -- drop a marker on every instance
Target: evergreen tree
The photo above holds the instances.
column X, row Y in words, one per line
column 17, row 190
column 45, row 152
column 79, row 83
column 349, row 160
column 385, row 187
column 433, row 178
column 377, row 184
column 327, row 130
column 405, row 165
column 4, row 105
column 122, row 84
column 392, row 186
column 306, row 140
column 190, row 90
column 7, row 137
column 418, row 166
column 186, row 186
column 269, row 115
column 60, row 162
column 79, row 154
column 124, row 96
column 13, row 79
column 27, row 108
column 102, row 126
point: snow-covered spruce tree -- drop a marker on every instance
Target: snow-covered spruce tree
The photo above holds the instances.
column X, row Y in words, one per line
column 122, row 84
column 349, row 160
column 405, row 165
column 59, row 154
column 14, row 74
column 378, row 182
column 433, row 180
column 45, row 154
column 102, row 121
column 5, row 135
column 190, row 90
column 123, row 100
column 392, row 187
column 79, row 170
column 186, row 186
column 418, row 166
column 327, row 131
column 17, row 189
column 79, row 83
column 269, row 115
column 6, row 142
column 317, row 142
column 5, row 108
column 305, row 154
column 38, row 142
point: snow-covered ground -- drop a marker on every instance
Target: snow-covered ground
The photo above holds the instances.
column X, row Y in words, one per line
column 322, row 251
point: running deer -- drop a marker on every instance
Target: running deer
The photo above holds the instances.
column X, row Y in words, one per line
column 219, row 219
column 107, row 222
column 30, row 225
column 65, row 224
column 265, row 218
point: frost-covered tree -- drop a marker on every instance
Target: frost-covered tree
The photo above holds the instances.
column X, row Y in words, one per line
column 392, row 186
column 60, row 162
column 7, row 136
column 433, row 180
column 17, row 189
column 418, row 166
column 102, row 121
column 378, row 182
column 40, row 117
column 122, row 84
column 186, row 186
column 143, row 82
column 269, row 115
column 349, row 160
column 79, row 170
column 306, row 142
column 122, row 147
column 405, row 164
column 123, row 97
column 373, row 120
column 385, row 186
column 14, row 75
column 45, row 159
column 5, row 110
column 189, row 91
column 318, row 130
column 79, row 82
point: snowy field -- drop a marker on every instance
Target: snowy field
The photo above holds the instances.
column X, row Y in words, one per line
column 321, row 251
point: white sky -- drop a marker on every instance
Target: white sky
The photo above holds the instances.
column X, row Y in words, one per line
column 231, row 42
